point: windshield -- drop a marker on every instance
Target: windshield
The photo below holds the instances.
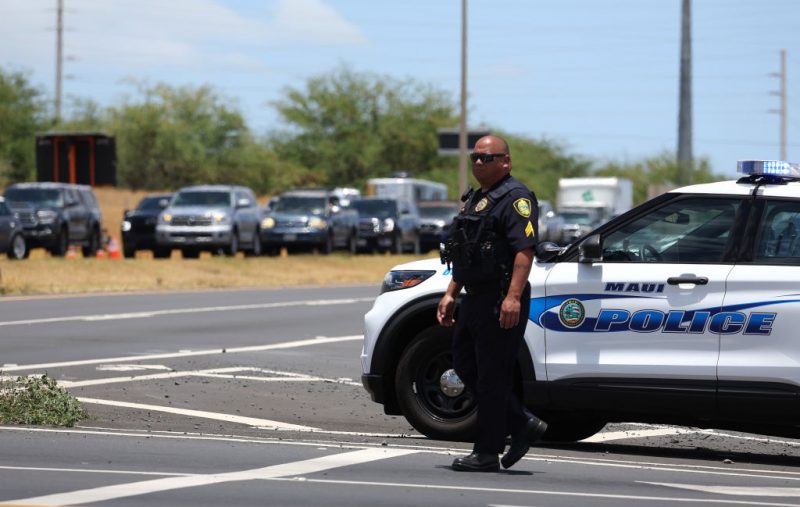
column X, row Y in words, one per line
column 381, row 208
column 300, row 204
column 198, row 198
column 578, row 217
column 153, row 203
column 442, row 212
column 42, row 196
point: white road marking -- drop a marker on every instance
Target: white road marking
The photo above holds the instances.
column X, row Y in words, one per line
column 547, row 492
column 93, row 471
column 217, row 416
column 609, row 436
column 226, row 373
column 180, row 311
column 132, row 367
column 297, row 468
column 319, row 340
column 732, row 490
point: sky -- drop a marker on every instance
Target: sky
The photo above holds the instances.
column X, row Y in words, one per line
column 598, row 77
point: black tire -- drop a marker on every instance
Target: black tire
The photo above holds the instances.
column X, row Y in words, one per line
column 162, row 253
column 233, row 248
column 255, row 249
column 397, row 243
column 570, row 429
column 128, row 251
column 420, row 396
column 352, row 243
column 90, row 250
column 417, row 248
column 190, row 253
column 61, row 244
column 327, row 246
column 18, row 248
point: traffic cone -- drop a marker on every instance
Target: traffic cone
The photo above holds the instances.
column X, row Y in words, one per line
column 100, row 254
column 72, row 252
column 113, row 249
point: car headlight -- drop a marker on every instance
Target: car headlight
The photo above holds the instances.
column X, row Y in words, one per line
column 219, row 216
column 165, row 218
column 388, row 225
column 396, row 280
column 46, row 216
column 126, row 226
column 317, row 223
column 268, row 223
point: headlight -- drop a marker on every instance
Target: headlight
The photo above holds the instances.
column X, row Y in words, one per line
column 46, row 216
column 219, row 216
column 396, row 280
column 317, row 223
column 388, row 225
column 268, row 223
column 126, row 226
column 166, row 218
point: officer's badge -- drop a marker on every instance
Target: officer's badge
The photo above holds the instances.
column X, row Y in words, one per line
column 529, row 230
column 481, row 205
column 572, row 313
column 523, row 207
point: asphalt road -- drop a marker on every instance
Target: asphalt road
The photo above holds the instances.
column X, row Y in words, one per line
column 253, row 398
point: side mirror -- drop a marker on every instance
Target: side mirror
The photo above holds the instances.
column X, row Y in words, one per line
column 243, row 203
column 590, row 250
column 547, row 251
column 335, row 209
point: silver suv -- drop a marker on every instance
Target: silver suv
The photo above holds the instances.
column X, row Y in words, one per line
column 211, row 218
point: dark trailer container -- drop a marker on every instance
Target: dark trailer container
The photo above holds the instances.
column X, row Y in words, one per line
column 86, row 158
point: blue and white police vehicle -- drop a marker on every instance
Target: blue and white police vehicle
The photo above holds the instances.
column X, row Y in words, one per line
column 685, row 310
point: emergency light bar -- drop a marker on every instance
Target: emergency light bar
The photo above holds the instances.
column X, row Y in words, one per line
column 769, row 168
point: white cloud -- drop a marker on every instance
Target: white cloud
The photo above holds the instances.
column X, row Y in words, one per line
column 314, row 21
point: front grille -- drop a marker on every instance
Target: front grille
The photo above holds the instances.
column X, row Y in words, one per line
column 28, row 218
column 191, row 220
column 429, row 228
column 291, row 223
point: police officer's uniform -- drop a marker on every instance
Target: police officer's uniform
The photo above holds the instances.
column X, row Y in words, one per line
column 486, row 235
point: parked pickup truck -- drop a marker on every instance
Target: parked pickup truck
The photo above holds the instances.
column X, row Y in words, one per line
column 311, row 218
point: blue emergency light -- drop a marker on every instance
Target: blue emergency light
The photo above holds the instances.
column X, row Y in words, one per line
column 769, row 168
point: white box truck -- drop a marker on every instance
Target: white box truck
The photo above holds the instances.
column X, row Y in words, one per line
column 609, row 196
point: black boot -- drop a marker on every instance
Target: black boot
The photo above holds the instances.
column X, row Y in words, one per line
column 477, row 462
column 521, row 442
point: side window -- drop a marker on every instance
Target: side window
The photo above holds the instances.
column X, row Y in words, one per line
column 778, row 241
column 692, row 230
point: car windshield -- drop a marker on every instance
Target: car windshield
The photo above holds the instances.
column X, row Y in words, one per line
column 442, row 212
column 43, row 196
column 578, row 217
column 381, row 208
column 200, row 198
column 153, row 203
column 300, row 204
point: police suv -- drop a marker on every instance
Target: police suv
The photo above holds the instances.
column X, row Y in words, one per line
column 684, row 310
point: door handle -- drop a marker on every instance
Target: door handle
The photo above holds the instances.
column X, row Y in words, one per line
column 697, row 280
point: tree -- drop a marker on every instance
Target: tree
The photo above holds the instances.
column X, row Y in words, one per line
column 354, row 126
column 172, row 137
column 24, row 113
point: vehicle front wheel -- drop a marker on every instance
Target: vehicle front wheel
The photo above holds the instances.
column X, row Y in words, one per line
column 429, row 393
column 61, row 243
column 255, row 249
column 90, row 250
column 233, row 248
column 19, row 248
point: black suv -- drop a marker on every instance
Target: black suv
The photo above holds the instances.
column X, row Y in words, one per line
column 56, row 215
column 139, row 226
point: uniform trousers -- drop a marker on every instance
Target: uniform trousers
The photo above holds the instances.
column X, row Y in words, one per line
column 484, row 356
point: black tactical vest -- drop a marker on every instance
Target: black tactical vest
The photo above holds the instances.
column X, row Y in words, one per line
column 477, row 246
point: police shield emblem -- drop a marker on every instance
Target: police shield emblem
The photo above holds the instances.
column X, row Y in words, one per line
column 523, row 207
column 481, row 204
column 571, row 313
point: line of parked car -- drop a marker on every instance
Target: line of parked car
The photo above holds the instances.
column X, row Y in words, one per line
column 227, row 219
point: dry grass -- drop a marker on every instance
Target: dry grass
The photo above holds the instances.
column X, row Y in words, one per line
column 42, row 274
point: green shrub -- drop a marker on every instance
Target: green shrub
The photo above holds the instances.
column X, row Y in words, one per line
column 38, row 400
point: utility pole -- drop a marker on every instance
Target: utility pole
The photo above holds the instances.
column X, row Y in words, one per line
column 783, row 109
column 59, row 55
column 462, row 128
column 685, row 159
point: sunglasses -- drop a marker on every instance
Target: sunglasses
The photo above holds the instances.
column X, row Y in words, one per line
column 485, row 157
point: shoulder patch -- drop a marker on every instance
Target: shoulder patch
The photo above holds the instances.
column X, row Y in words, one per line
column 529, row 230
column 523, row 207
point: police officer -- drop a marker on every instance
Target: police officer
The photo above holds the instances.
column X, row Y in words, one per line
column 491, row 248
